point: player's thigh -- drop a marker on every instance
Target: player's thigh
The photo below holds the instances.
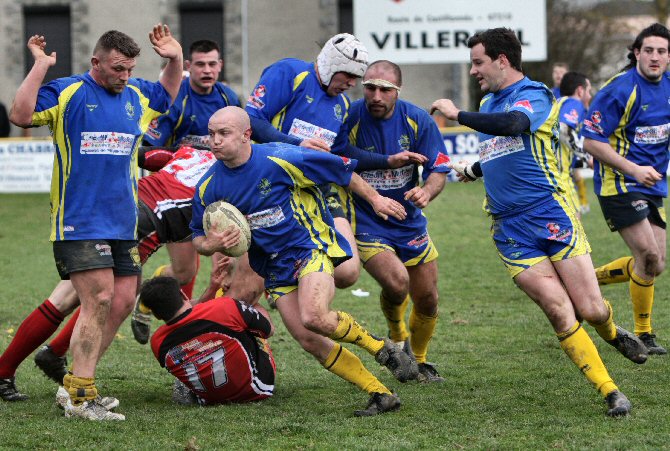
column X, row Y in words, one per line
column 315, row 291
column 184, row 260
column 387, row 269
column 543, row 285
column 581, row 284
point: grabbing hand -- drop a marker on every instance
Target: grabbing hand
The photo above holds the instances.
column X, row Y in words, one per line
column 463, row 171
column 385, row 207
column 315, row 144
column 404, row 158
column 36, row 45
column 163, row 42
column 418, row 196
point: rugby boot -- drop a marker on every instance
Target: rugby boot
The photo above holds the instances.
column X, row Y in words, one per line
column 379, row 403
column 629, row 345
column 9, row 392
column 649, row 341
column 617, row 404
column 400, row 364
column 54, row 367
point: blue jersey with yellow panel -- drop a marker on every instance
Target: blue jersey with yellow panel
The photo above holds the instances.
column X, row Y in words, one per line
column 96, row 134
column 632, row 114
column 409, row 129
column 277, row 193
column 520, row 171
column 290, row 96
column 571, row 113
column 186, row 122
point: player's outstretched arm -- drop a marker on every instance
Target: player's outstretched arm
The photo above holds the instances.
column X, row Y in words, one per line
column 168, row 47
column 22, row 109
column 604, row 153
column 383, row 206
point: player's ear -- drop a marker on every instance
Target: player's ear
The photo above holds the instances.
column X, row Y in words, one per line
column 187, row 64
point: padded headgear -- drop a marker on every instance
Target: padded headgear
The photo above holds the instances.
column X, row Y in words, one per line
column 342, row 53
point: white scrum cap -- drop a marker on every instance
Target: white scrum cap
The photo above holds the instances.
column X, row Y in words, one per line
column 342, row 53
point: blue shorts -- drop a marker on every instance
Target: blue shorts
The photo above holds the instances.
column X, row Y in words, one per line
column 412, row 249
column 550, row 230
column 285, row 270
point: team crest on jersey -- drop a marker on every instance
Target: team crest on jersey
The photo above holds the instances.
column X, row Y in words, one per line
column 337, row 110
column 130, row 110
column 556, row 233
column 193, row 117
column 264, row 187
column 524, row 104
column 593, row 123
column 403, row 142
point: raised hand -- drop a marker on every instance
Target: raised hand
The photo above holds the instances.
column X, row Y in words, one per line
column 163, row 42
column 36, row 45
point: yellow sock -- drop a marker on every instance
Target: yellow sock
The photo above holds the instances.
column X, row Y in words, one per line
column 80, row 388
column 606, row 330
column 159, row 271
column 615, row 272
column 345, row 364
column 577, row 344
column 395, row 318
column 421, row 328
column 349, row 331
column 581, row 192
column 642, row 295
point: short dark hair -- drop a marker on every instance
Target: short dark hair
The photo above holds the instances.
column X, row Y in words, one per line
column 203, row 46
column 571, row 81
column 163, row 296
column 390, row 65
column 499, row 41
column 116, row 40
column 656, row 29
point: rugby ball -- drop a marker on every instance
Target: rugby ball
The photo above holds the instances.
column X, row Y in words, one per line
column 220, row 215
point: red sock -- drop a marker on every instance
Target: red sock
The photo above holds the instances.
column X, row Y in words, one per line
column 188, row 288
column 60, row 344
column 32, row 332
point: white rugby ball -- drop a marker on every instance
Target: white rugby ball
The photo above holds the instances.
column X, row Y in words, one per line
column 220, row 215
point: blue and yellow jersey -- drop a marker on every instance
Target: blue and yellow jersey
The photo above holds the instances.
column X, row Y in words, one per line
column 520, row 171
column 571, row 113
column 96, row 134
column 277, row 192
column 409, row 128
column 290, row 97
column 186, row 122
column 632, row 114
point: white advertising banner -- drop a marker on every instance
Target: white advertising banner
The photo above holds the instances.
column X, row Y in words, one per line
column 25, row 166
column 437, row 31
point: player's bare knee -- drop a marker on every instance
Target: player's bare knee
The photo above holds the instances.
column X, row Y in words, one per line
column 652, row 263
column 316, row 323
column 346, row 278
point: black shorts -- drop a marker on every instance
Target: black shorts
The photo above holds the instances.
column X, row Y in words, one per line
column 173, row 225
column 332, row 198
column 81, row 255
column 623, row 210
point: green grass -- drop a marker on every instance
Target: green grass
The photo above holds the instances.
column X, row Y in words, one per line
column 509, row 386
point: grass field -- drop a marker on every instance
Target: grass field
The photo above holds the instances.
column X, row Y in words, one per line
column 508, row 384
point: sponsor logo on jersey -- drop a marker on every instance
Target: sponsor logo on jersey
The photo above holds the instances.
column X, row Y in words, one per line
column 304, row 130
column 499, row 146
column 571, row 116
column 346, row 161
column 309, row 99
column 259, row 91
column 255, row 102
column 91, row 106
column 524, row 104
column 264, row 187
column 387, row 179
column 592, row 124
column 265, row 218
column 106, row 143
column 653, row 134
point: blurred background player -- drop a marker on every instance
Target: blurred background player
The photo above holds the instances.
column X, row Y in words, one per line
column 96, row 246
column 575, row 99
column 304, row 103
column 294, row 245
column 558, row 70
column 200, row 95
column 537, row 234
column 627, row 130
column 217, row 349
column 399, row 255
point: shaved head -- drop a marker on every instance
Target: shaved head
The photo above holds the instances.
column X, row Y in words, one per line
column 232, row 115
